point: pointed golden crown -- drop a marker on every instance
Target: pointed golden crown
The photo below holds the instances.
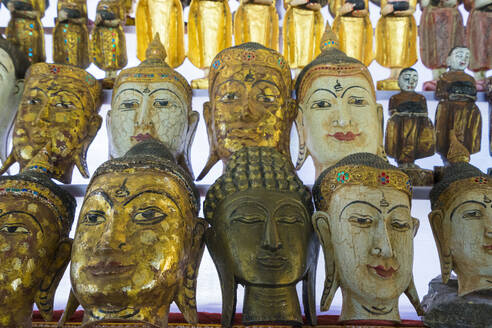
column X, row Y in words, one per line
column 154, row 69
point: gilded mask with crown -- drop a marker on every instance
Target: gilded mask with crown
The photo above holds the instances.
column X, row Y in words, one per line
column 363, row 222
column 138, row 242
column 56, row 121
column 261, row 237
column 250, row 102
column 152, row 101
column 461, row 221
column 338, row 114
column 35, row 219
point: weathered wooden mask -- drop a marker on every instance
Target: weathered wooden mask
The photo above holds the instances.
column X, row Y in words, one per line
column 152, row 101
column 461, row 220
column 56, row 122
column 338, row 114
column 261, row 237
column 138, row 242
column 250, row 102
column 35, row 218
column 363, row 222
column 13, row 66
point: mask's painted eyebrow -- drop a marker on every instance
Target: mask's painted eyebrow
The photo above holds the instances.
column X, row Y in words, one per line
column 322, row 89
column 352, row 87
column 67, row 91
column 26, row 213
column 4, row 67
column 103, row 194
column 398, row 206
column 358, row 202
column 128, row 89
column 150, row 191
column 467, row 202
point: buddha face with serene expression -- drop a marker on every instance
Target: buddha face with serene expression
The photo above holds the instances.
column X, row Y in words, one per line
column 407, row 80
column 462, row 225
column 57, row 119
column 339, row 116
column 136, row 248
column 458, row 59
column 34, row 251
column 367, row 236
column 250, row 103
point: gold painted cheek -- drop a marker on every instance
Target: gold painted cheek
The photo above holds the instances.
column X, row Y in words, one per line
column 27, row 116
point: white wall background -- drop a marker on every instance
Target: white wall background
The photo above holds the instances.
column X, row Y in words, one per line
column 426, row 262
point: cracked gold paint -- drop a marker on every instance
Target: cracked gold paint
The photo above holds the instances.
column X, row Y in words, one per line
column 250, row 102
column 34, row 251
column 56, row 121
column 137, row 247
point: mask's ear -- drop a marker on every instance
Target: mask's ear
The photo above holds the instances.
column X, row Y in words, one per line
column 8, row 163
column 212, row 157
column 19, row 89
column 81, row 153
column 193, row 119
column 226, row 276
column 412, row 295
column 441, row 232
column 108, row 131
column 321, row 225
column 45, row 295
column 303, row 151
column 70, row 309
column 381, row 153
column 309, row 287
column 186, row 297
column 416, row 225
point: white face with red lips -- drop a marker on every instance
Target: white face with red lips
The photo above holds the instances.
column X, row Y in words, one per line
column 459, row 59
column 340, row 117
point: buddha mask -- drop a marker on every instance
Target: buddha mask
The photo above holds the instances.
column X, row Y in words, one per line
column 461, row 220
column 363, row 222
column 152, row 101
column 407, row 80
column 250, row 102
column 57, row 120
column 138, row 242
column 261, row 237
column 35, row 219
column 13, row 66
column 458, row 59
column 338, row 114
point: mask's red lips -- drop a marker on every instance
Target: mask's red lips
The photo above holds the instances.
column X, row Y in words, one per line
column 488, row 247
column 108, row 268
column 141, row 137
column 348, row 136
column 382, row 271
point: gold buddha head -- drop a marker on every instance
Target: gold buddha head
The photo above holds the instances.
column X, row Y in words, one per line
column 13, row 67
column 56, row 121
column 461, row 221
column 408, row 78
column 458, row 58
column 338, row 114
column 152, row 101
column 261, row 237
column 35, row 218
column 138, row 242
column 250, row 102
column 363, row 222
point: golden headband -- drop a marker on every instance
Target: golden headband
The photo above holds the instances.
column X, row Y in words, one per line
column 76, row 75
column 252, row 54
column 39, row 192
column 361, row 175
column 456, row 188
column 154, row 69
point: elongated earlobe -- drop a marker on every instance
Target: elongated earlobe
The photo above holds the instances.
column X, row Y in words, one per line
column 440, row 230
column 213, row 158
column 303, row 151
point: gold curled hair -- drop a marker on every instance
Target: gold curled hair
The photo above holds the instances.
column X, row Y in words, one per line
column 76, row 77
column 360, row 169
column 154, row 69
column 330, row 62
column 251, row 53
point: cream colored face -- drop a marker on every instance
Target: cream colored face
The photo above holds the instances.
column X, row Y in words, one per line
column 407, row 81
column 372, row 234
column 470, row 216
column 147, row 110
column 7, row 80
column 459, row 59
column 340, row 117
